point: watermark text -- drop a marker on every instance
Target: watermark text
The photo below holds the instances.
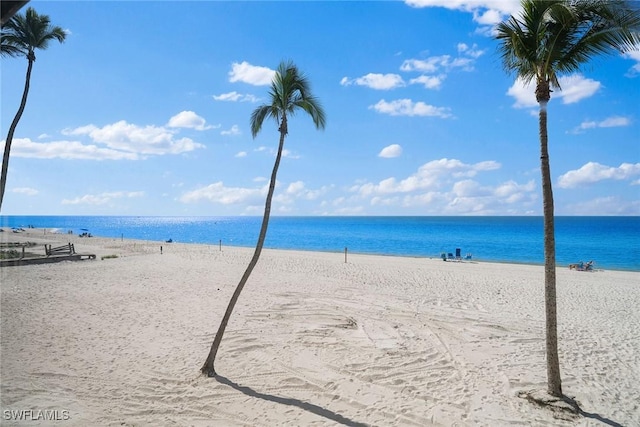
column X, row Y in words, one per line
column 36, row 415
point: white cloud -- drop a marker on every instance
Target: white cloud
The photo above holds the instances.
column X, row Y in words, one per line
column 218, row 193
column 117, row 141
column 594, row 172
column 69, row 150
column 288, row 154
column 614, row 121
column 524, row 94
column 446, row 187
column 298, row 191
column 376, row 81
column 574, row 88
column 294, row 191
column 429, row 176
column 429, row 82
column 634, row 55
column 241, row 154
column 432, row 68
column 485, row 12
column 393, row 150
column 103, row 198
column 470, row 188
column 406, row 107
column 444, row 62
column 471, row 51
column 295, row 187
column 188, row 119
column 430, row 65
column 26, row 191
column 251, row 74
column 512, row 192
column 235, row 97
column 234, row 130
column 131, row 138
column 610, row 205
column 489, row 17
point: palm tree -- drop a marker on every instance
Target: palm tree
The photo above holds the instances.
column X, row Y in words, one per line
column 21, row 36
column 289, row 93
column 550, row 38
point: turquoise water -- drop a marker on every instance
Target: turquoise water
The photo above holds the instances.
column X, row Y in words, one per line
column 613, row 242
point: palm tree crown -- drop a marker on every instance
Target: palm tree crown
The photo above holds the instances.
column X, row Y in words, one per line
column 553, row 37
column 23, row 34
column 289, row 92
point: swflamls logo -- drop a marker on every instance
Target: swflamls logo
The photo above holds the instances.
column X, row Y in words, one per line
column 35, row 415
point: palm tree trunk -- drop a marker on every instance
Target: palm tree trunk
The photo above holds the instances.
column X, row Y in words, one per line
column 554, row 385
column 208, row 367
column 12, row 129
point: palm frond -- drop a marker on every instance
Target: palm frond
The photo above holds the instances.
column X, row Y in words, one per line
column 554, row 37
column 8, row 49
column 25, row 33
column 290, row 92
column 257, row 118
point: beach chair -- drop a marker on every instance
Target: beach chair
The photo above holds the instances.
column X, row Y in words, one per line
column 580, row 266
column 587, row 267
column 458, row 256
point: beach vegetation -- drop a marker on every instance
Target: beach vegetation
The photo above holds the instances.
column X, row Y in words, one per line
column 290, row 92
column 113, row 256
column 10, row 254
column 550, row 38
column 22, row 35
column 14, row 254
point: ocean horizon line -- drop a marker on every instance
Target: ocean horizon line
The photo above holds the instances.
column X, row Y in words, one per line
column 609, row 240
column 315, row 216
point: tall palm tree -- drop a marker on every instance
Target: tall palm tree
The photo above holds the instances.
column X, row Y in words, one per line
column 21, row 36
column 289, row 93
column 552, row 37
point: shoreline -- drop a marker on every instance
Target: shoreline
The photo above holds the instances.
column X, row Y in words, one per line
column 85, row 241
column 491, row 239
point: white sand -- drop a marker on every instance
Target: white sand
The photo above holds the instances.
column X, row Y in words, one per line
column 313, row 341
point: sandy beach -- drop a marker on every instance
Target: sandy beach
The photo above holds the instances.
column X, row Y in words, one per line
column 314, row 341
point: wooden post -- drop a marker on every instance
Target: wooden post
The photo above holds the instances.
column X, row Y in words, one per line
column 220, row 245
column 22, row 252
column 345, row 254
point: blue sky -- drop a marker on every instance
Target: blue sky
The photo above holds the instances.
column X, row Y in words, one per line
column 144, row 110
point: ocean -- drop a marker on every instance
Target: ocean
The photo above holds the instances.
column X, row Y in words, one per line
column 612, row 242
